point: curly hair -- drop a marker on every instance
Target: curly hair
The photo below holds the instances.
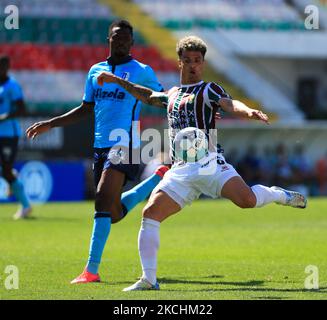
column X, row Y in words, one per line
column 191, row 43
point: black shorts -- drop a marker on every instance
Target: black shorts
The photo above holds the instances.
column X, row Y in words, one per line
column 104, row 159
column 8, row 149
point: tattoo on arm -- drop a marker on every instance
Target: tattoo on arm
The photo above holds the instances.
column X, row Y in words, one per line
column 144, row 94
column 139, row 92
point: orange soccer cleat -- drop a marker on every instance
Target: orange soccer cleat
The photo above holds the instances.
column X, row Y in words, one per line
column 86, row 277
column 161, row 170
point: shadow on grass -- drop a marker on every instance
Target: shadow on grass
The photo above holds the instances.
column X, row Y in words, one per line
column 182, row 281
column 226, row 283
column 321, row 290
column 214, row 276
column 47, row 219
column 11, row 219
column 270, row 298
column 250, row 286
column 241, row 286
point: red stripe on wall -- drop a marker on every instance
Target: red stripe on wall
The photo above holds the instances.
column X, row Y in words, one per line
column 25, row 56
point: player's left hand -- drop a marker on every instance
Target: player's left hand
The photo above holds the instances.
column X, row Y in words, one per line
column 38, row 128
column 259, row 115
column 105, row 77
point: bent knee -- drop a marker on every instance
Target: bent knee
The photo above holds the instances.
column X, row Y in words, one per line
column 109, row 204
column 149, row 211
column 248, row 201
column 115, row 213
column 155, row 212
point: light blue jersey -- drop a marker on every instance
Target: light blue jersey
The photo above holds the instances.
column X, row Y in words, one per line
column 10, row 92
column 115, row 109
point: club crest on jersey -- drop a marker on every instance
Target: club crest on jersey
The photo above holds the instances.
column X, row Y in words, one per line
column 125, row 76
column 191, row 98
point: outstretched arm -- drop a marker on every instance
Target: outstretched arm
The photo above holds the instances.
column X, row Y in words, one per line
column 146, row 95
column 73, row 116
column 241, row 110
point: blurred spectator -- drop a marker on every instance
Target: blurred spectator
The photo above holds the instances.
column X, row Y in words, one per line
column 267, row 166
column 249, row 167
column 321, row 175
column 232, row 157
column 283, row 173
column 301, row 171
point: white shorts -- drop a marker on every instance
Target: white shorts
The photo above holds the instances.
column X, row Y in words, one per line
column 186, row 182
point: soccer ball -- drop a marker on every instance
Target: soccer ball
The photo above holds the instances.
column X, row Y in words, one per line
column 190, row 144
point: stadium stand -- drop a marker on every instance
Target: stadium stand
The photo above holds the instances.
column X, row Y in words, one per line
column 65, row 37
column 254, row 44
column 60, row 41
column 59, row 8
column 247, row 14
column 60, row 37
column 73, row 57
column 152, row 31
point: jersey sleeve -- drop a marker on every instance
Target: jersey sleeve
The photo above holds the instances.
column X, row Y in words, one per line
column 215, row 93
column 16, row 92
column 88, row 90
column 149, row 80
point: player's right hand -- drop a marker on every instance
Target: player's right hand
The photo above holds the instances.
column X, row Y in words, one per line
column 37, row 128
column 105, row 77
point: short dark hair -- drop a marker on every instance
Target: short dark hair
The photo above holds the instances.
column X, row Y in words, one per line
column 121, row 24
column 5, row 59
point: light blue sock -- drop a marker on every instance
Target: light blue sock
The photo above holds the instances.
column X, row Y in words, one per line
column 19, row 192
column 100, row 234
column 140, row 192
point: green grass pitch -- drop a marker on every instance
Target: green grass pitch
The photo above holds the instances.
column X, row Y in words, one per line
column 211, row 250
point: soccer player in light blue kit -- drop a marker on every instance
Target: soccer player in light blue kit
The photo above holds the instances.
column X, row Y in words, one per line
column 11, row 106
column 115, row 112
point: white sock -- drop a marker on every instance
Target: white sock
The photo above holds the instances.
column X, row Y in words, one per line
column 267, row 195
column 148, row 248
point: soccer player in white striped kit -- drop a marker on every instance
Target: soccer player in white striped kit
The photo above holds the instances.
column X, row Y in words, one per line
column 194, row 104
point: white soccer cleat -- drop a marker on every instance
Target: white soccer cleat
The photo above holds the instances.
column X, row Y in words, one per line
column 142, row 284
column 293, row 199
column 23, row 213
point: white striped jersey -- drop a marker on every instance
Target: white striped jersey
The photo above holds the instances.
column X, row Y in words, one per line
column 192, row 106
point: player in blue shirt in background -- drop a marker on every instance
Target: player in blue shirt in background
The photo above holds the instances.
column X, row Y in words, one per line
column 115, row 112
column 11, row 106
